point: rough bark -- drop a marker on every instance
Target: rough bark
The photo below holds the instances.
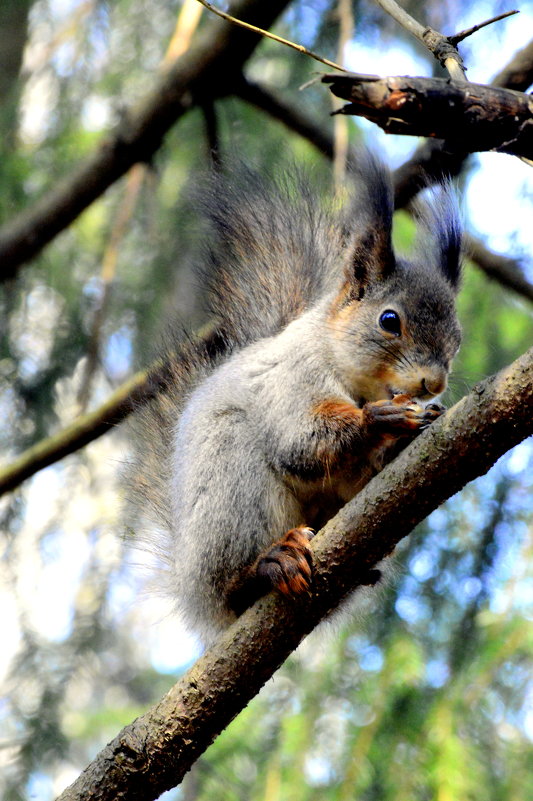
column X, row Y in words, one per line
column 434, row 159
column 154, row 752
column 470, row 117
column 419, row 171
column 204, row 71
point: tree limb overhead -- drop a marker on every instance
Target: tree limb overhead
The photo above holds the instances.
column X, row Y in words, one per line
column 503, row 269
column 154, row 752
column 518, row 73
column 202, row 70
column 434, row 158
column 428, row 164
column 471, row 117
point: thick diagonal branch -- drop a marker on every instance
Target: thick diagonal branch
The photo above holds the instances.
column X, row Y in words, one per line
column 154, row 752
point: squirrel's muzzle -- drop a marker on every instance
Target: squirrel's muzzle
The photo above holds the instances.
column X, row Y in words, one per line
column 433, row 382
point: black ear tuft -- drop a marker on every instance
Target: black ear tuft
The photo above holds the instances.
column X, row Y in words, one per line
column 440, row 231
column 370, row 221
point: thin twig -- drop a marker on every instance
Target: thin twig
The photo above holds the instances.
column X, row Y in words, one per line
column 438, row 44
column 458, row 37
column 268, row 35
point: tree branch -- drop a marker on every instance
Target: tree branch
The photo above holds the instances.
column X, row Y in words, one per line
column 470, row 117
column 434, row 159
column 298, row 47
column 439, row 45
column 416, row 172
column 202, row 71
column 88, row 427
column 518, row 73
column 80, row 432
column 154, row 752
column 459, row 37
column 504, row 270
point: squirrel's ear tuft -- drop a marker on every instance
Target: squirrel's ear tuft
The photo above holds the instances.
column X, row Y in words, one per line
column 440, row 231
column 371, row 257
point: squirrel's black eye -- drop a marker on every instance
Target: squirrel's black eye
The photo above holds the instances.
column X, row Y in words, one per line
column 390, row 322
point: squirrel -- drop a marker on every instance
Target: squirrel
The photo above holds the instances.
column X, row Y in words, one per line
column 325, row 360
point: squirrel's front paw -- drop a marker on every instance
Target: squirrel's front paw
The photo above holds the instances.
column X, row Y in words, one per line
column 401, row 414
column 288, row 564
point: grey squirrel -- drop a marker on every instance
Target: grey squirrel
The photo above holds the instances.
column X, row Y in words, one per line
column 325, row 353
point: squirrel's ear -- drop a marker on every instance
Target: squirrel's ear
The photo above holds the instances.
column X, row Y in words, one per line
column 440, row 231
column 371, row 256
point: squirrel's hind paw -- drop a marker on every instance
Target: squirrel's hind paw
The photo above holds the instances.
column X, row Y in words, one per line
column 288, row 564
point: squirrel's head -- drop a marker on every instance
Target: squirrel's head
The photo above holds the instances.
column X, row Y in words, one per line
column 393, row 322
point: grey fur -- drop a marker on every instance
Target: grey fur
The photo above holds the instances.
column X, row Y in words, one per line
column 231, row 457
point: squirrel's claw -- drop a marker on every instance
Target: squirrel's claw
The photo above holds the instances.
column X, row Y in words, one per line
column 401, row 414
column 288, row 564
column 436, row 407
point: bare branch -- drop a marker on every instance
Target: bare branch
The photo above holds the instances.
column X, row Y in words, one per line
column 437, row 44
column 504, row 270
column 300, row 48
column 458, row 37
column 154, row 752
column 470, row 117
column 202, row 71
column 84, row 429
column 444, row 48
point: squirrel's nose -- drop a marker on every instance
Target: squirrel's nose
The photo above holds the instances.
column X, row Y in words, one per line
column 433, row 382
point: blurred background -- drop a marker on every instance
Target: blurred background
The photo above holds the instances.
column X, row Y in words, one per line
column 430, row 695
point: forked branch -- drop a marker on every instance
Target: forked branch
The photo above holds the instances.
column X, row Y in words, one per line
column 444, row 48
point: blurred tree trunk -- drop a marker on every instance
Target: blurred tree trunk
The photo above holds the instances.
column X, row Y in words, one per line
column 13, row 34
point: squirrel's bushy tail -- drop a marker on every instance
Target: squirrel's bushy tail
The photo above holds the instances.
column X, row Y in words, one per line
column 276, row 248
